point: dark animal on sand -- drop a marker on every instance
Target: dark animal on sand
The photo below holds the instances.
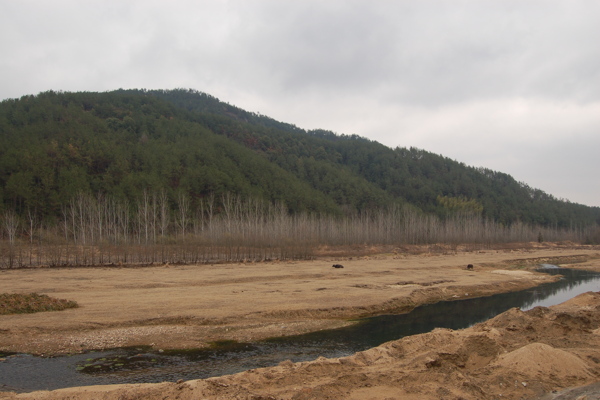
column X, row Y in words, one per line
column 338, row 266
column 470, row 266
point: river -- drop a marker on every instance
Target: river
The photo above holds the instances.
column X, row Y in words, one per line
column 24, row 373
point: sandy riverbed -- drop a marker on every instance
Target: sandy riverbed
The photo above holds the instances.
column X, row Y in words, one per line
column 190, row 306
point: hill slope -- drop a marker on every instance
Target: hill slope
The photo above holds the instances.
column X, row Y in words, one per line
column 121, row 143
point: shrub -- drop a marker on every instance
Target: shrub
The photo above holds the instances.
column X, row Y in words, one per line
column 15, row 303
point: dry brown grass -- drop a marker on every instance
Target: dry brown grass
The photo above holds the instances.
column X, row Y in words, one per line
column 16, row 303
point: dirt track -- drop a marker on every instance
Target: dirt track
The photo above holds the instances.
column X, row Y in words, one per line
column 189, row 306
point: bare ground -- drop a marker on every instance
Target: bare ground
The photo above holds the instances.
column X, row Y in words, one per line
column 515, row 355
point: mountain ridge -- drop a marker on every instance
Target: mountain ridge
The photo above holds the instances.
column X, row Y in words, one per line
column 56, row 144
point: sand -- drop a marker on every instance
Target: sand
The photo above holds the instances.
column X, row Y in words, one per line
column 515, row 355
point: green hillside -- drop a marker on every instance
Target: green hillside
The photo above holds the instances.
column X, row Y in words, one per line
column 55, row 145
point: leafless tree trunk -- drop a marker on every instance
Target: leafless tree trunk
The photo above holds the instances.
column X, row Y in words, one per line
column 11, row 224
column 32, row 221
column 144, row 216
column 163, row 209
column 183, row 205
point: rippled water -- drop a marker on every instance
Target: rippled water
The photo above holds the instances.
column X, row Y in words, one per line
column 26, row 373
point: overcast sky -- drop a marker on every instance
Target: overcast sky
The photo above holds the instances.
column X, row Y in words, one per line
column 510, row 85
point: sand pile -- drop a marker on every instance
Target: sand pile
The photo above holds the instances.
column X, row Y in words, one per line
column 538, row 359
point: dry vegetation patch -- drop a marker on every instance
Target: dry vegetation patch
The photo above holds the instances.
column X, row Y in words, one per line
column 16, row 303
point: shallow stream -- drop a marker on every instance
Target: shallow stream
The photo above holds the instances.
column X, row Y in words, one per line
column 25, row 373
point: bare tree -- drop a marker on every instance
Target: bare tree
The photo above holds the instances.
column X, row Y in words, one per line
column 32, row 223
column 163, row 211
column 11, row 222
column 183, row 205
column 143, row 216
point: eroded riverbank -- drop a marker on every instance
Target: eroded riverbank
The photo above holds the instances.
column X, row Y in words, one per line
column 168, row 307
column 25, row 373
column 516, row 355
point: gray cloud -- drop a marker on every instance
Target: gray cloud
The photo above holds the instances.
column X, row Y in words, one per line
column 510, row 85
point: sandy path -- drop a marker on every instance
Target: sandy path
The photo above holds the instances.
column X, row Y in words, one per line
column 189, row 306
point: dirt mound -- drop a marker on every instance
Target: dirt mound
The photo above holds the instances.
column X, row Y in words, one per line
column 587, row 301
column 538, row 359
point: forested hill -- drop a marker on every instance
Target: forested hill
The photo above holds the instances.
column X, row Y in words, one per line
column 127, row 142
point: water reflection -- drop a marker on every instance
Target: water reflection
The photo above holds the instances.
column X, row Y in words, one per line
column 26, row 373
column 574, row 282
column 461, row 314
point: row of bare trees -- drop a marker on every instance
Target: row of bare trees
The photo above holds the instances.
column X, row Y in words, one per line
column 102, row 230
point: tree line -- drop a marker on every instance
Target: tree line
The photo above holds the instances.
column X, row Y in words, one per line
column 103, row 230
